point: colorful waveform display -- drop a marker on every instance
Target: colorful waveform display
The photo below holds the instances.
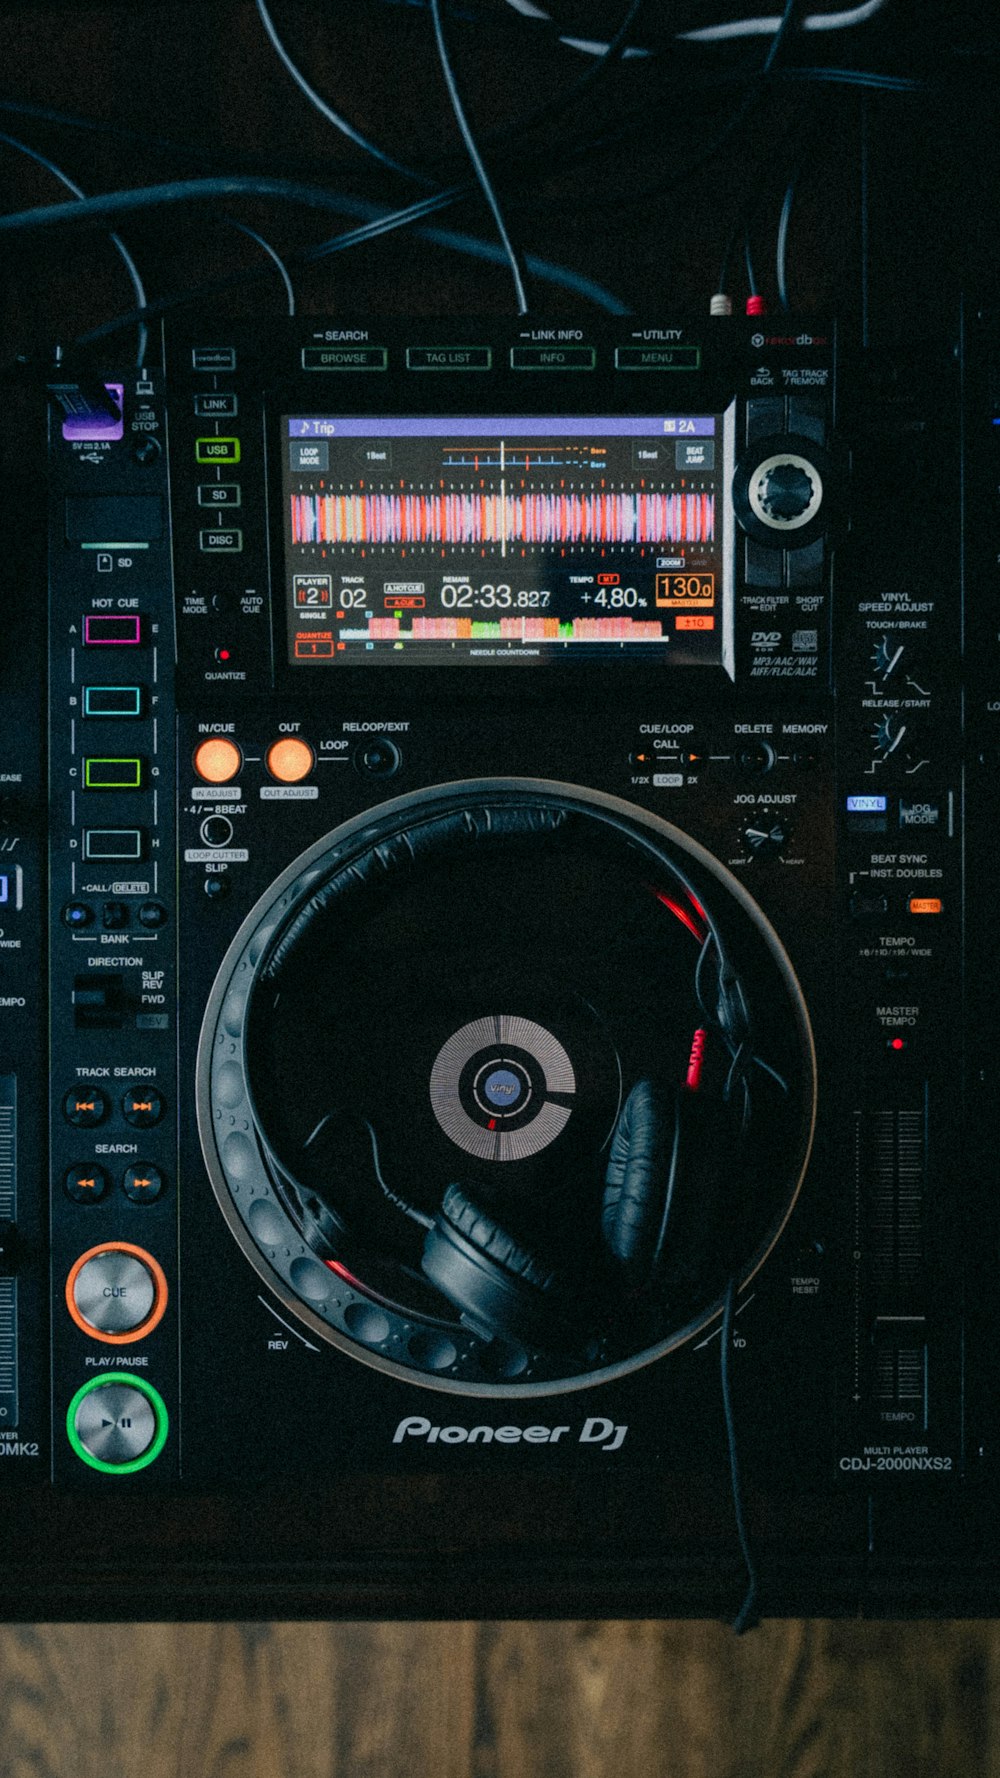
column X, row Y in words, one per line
column 564, row 518
column 509, row 629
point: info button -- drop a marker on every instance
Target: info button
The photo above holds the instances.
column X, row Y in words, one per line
column 554, row 357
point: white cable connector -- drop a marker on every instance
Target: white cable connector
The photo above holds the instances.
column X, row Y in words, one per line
column 721, row 304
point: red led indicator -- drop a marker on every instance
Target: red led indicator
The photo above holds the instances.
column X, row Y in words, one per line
column 222, row 654
column 897, row 1043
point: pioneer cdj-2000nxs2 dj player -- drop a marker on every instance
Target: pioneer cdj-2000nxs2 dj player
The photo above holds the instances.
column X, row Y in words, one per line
column 498, row 1093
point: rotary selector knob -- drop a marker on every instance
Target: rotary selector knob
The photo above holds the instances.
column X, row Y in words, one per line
column 765, row 839
column 785, row 491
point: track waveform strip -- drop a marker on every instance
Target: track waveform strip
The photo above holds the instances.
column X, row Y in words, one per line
column 549, row 518
column 512, row 629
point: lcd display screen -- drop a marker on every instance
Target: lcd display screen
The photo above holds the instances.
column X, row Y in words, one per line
column 502, row 540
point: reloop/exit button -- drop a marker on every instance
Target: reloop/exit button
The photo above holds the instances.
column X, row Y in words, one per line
column 378, row 757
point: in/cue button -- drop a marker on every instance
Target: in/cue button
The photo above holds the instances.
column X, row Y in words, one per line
column 217, row 761
column 116, row 1292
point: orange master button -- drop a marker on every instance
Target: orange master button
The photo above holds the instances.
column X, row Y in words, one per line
column 290, row 760
column 217, row 760
column 925, row 904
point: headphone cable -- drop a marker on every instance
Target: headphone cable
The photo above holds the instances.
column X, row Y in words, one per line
column 747, row 1617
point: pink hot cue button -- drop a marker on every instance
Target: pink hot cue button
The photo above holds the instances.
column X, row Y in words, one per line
column 107, row 631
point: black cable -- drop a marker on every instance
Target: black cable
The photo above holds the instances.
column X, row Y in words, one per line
column 272, row 254
column 478, row 165
column 781, row 245
column 748, row 258
column 543, row 269
column 335, row 118
column 746, row 1618
column 864, row 221
column 125, row 256
column 95, row 210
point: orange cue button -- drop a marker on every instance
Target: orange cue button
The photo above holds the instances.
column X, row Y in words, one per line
column 290, row 760
column 217, row 760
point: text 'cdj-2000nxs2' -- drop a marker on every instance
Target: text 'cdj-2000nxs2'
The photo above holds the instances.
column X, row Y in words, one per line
column 498, row 1084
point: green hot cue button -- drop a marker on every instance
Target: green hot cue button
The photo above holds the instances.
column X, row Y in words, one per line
column 117, row 1423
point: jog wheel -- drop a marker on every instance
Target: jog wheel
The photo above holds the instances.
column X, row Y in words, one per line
column 495, row 1165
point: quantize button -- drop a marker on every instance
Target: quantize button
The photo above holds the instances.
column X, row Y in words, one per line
column 116, row 1293
column 117, row 1423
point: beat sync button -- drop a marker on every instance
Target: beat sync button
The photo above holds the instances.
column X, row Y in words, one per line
column 290, row 760
column 217, row 760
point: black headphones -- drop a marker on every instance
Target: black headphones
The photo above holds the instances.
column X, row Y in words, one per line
column 674, row 1152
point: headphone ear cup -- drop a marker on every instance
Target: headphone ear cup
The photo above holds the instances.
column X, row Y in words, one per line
column 498, row 1285
column 672, row 1164
column 640, row 1178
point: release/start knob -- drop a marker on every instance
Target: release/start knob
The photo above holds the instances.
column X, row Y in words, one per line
column 785, row 491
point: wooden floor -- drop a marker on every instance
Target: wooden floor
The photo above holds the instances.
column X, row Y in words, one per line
column 567, row 1700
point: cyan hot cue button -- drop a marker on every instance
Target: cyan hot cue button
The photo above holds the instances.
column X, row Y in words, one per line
column 112, row 700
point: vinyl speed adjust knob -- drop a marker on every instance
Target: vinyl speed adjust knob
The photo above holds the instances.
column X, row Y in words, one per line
column 117, row 1423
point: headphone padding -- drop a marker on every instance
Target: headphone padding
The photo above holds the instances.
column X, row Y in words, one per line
column 640, row 1174
column 483, row 1233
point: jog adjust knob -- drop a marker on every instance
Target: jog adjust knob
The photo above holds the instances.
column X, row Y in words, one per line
column 765, row 839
